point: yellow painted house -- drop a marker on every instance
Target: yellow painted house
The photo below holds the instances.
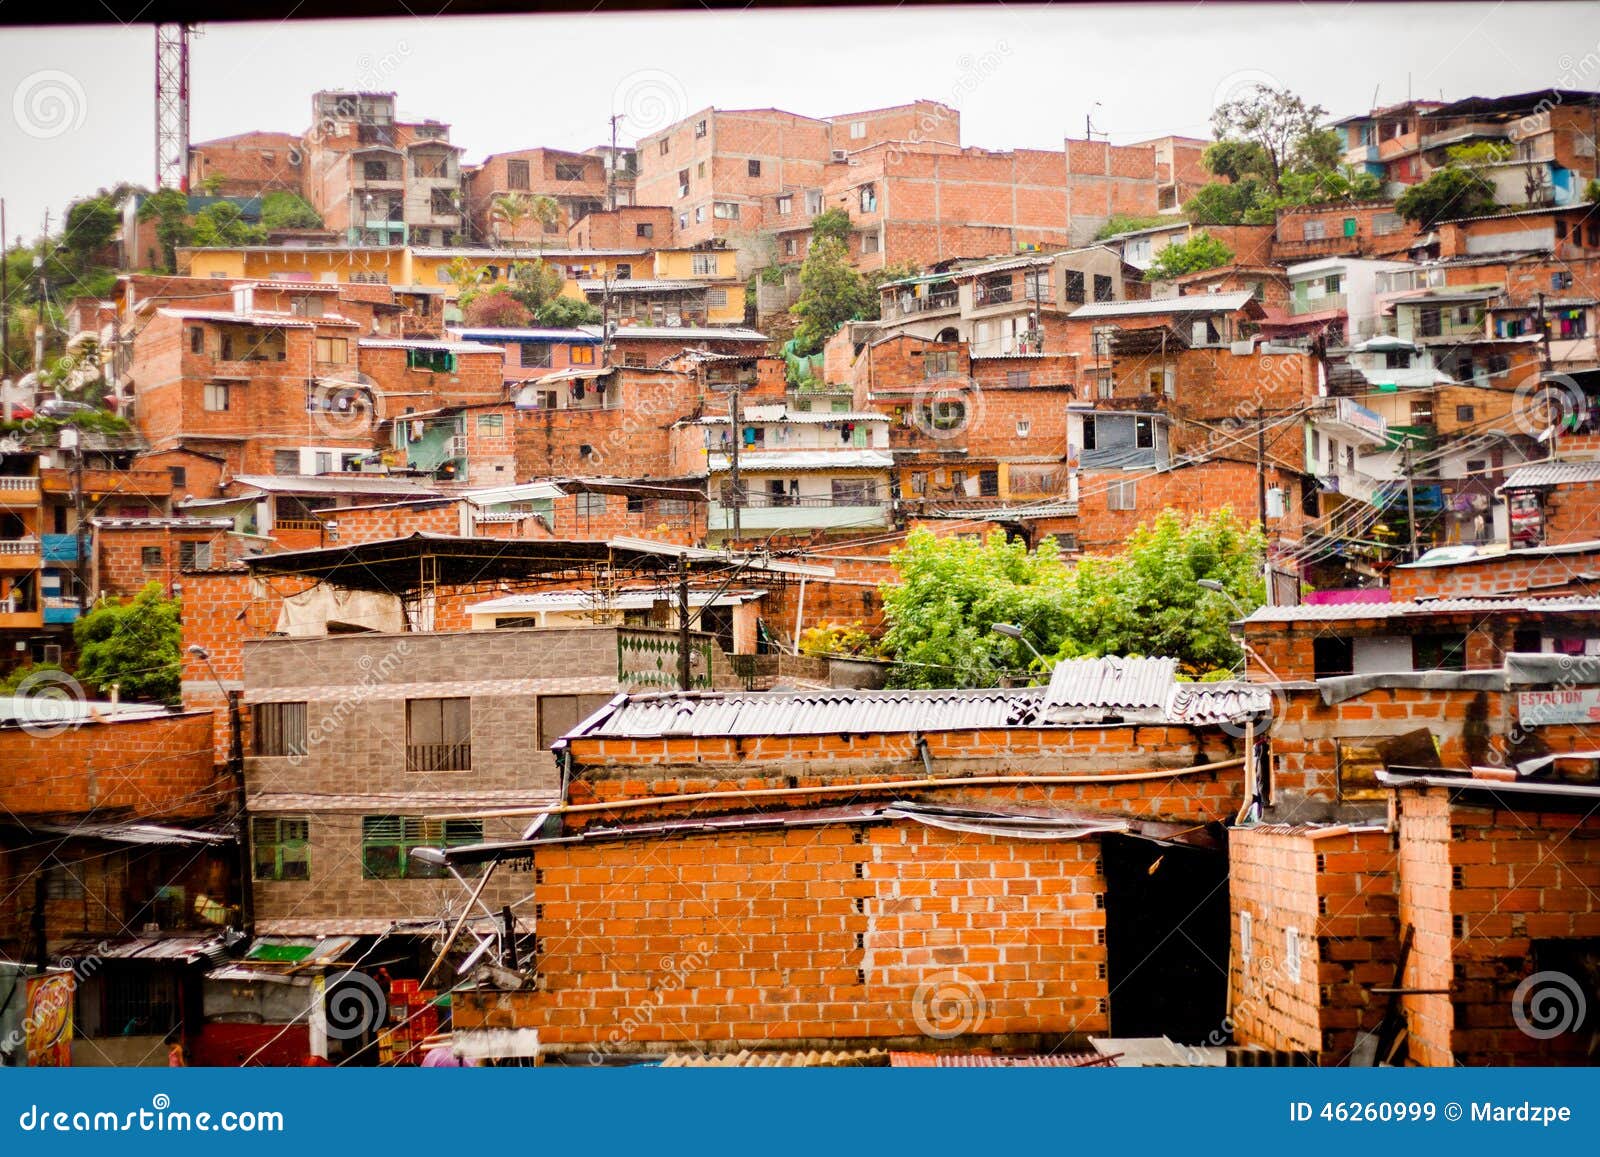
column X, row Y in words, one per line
column 701, row 283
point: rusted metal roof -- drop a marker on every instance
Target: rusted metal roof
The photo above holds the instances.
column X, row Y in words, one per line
column 1088, row 1060
column 779, row 1059
column 178, row 949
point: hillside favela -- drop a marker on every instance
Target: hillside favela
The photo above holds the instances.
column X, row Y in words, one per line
column 651, row 578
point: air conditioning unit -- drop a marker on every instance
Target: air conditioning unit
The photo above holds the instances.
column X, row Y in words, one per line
column 839, row 154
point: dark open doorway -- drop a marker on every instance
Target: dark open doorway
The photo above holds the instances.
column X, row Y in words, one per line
column 1166, row 939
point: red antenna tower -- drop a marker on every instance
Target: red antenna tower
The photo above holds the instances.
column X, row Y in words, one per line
column 172, row 106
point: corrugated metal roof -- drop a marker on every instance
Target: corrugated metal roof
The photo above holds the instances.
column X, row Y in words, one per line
column 588, row 600
column 642, row 284
column 778, row 1059
column 1200, row 704
column 350, row 483
column 780, row 412
column 1338, row 612
column 1551, row 474
column 1030, row 262
column 182, row 949
column 1192, row 303
column 1087, row 1060
column 156, row 835
column 1112, row 683
column 763, row 713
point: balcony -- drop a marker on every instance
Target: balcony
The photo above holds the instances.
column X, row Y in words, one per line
column 19, row 490
column 59, row 547
column 909, row 306
column 19, row 554
column 1324, row 304
column 19, row 620
column 1002, row 293
column 763, row 512
column 143, row 483
column 424, row 757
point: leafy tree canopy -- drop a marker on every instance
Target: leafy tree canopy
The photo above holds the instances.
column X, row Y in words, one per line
column 1145, row 601
column 566, row 312
column 284, row 210
column 877, row 277
column 1451, row 192
column 497, row 308
column 1202, row 251
column 535, row 283
column 221, row 223
column 1274, row 120
column 1122, row 223
column 834, row 223
column 134, row 645
column 831, row 293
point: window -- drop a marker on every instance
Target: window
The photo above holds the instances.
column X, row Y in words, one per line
column 1017, row 378
column 1122, row 495
column 286, row 461
column 813, row 202
column 1102, row 287
column 379, row 171
column 280, row 728
column 443, row 201
column 699, row 130
column 581, row 355
column 869, row 199
column 1397, row 360
column 858, row 130
column 1562, row 279
column 179, row 475
column 590, row 504
column 150, row 556
column 517, row 174
column 1422, row 413
column 280, row 846
column 644, row 229
column 1332, row 284
column 386, row 843
column 1439, row 652
column 62, row 883
column 624, row 271
column 704, row 264
column 854, row 492
column 1463, row 413
column 216, row 396
column 1349, row 226
column 716, row 298
column 194, row 556
column 699, row 214
column 790, row 246
column 936, row 362
column 1498, row 365
column 432, row 361
column 725, row 210
column 1104, row 385
column 197, row 340
column 1036, row 284
column 559, row 714
column 785, row 206
column 754, row 167
column 700, row 170
column 333, row 350
column 683, row 220
column 665, row 146
column 1089, row 433
column 1386, row 223
column 535, row 354
column 1144, row 433
column 871, row 242
column 989, row 484
column 945, row 414
column 1074, row 285
column 1315, row 230
column 636, row 504
column 1101, row 337
column 1331, row 657
column 1430, row 322
column 438, row 734
column 493, row 425
column 569, row 170
column 919, row 483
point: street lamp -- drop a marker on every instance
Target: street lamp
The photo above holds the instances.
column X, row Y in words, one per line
column 1214, row 585
column 1012, row 631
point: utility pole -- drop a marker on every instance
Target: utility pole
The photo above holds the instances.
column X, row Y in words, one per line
column 611, row 165
column 733, row 462
column 1544, row 335
column 1261, row 468
column 685, row 682
column 81, row 529
column 1411, row 502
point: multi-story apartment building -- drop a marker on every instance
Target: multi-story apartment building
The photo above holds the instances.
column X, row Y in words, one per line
column 579, row 183
column 247, row 164
column 378, row 180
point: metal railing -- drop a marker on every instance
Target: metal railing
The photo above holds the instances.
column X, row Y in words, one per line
column 757, row 500
column 439, row 757
column 998, row 294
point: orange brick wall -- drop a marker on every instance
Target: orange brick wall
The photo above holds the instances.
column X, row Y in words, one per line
column 120, row 569
column 1336, row 890
column 150, row 768
column 1554, row 574
column 837, row 932
column 1480, row 885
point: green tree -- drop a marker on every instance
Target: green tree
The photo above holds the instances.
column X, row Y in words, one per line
column 535, row 283
column 879, row 277
column 1145, row 601
column 466, row 277
column 1275, row 120
column 222, row 224
column 831, row 293
column 566, row 312
column 510, row 210
column 1591, row 191
column 91, row 224
column 496, row 308
column 1202, row 251
column 169, row 209
column 834, row 223
column 134, row 645
column 284, row 210
column 1451, row 192
column 1229, row 203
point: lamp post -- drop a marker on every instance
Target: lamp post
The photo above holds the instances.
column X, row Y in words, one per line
column 1012, row 631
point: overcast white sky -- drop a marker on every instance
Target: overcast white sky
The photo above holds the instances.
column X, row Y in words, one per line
column 78, row 113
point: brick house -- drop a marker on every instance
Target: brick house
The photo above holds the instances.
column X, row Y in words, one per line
column 577, row 182
column 248, row 164
column 816, row 922
column 623, row 227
